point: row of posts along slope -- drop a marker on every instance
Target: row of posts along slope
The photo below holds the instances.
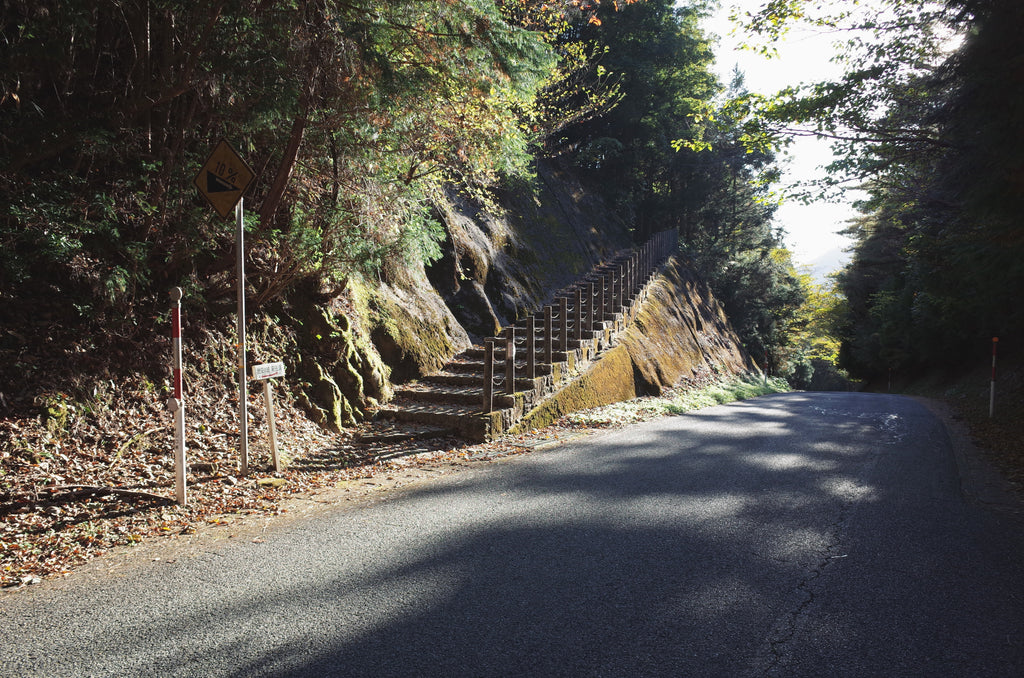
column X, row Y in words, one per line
column 485, row 390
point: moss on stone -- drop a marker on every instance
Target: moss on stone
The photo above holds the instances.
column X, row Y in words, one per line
column 609, row 380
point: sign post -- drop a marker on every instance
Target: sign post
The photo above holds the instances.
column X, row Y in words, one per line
column 177, row 402
column 243, row 386
column 265, row 373
column 222, row 181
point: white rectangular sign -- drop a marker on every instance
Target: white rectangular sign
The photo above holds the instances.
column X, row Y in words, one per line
column 268, row 371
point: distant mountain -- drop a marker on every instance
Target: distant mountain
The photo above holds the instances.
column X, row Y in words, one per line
column 829, row 262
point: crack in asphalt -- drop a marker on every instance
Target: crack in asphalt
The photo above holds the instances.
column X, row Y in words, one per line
column 789, row 623
column 774, row 656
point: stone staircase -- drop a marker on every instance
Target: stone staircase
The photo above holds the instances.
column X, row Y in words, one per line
column 481, row 393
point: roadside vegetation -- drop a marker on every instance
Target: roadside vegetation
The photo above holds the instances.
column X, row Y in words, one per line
column 677, row 401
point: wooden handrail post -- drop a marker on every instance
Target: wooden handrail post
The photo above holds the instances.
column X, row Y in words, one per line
column 563, row 324
column 590, row 308
column 600, row 299
column 620, row 300
column 577, row 324
column 628, row 287
column 610, row 298
column 510, row 360
column 531, row 349
column 549, row 336
column 488, row 403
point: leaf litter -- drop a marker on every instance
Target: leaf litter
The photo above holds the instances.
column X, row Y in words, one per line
column 81, row 479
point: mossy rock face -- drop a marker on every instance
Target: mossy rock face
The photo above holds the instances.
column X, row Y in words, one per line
column 609, row 380
column 680, row 330
column 413, row 330
column 340, row 372
column 500, row 265
column 335, row 410
column 475, row 311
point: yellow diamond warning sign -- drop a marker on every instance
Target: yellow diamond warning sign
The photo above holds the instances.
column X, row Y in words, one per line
column 223, row 178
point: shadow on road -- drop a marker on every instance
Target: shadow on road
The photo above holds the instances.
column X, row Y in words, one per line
column 696, row 545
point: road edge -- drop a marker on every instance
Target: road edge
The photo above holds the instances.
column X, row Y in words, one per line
column 980, row 480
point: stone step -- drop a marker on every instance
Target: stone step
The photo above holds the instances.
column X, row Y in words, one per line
column 499, row 355
column 391, row 431
column 478, row 355
column 465, row 366
column 465, row 421
column 539, row 333
column 456, row 379
column 470, row 396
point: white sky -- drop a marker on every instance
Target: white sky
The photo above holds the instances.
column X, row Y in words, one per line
column 803, row 57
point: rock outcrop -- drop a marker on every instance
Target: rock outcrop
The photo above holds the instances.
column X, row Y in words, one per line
column 499, row 265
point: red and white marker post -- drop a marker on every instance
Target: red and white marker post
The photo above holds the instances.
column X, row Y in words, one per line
column 992, row 387
column 177, row 402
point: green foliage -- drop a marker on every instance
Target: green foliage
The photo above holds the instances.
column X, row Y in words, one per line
column 659, row 59
column 355, row 116
column 927, row 118
column 669, row 155
column 890, row 50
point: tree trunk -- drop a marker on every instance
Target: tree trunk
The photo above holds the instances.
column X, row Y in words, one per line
column 284, row 171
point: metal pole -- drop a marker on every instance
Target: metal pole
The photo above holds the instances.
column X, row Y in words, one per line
column 177, row 402
column 243, row 385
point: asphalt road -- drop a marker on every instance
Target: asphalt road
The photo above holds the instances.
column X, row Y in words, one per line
column 792, row 535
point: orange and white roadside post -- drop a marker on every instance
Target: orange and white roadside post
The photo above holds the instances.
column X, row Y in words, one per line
column 177, row 402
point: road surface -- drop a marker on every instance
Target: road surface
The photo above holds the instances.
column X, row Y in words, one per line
column 791, row 535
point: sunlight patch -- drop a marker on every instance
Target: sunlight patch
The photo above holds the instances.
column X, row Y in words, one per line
column 787, row 461
column 849, row 490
